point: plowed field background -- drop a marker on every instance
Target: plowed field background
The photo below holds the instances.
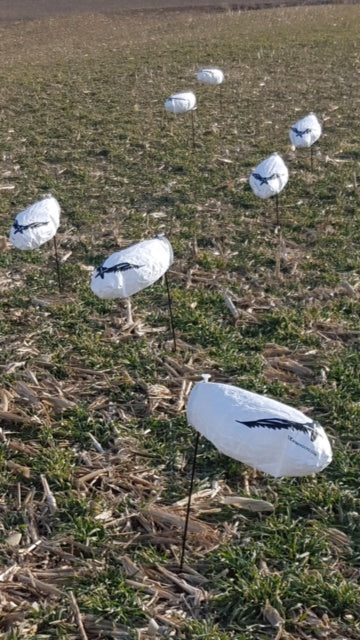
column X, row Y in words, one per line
column 28, row 10
column 95, row 447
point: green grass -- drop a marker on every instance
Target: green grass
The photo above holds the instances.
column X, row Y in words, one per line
column 81, row 113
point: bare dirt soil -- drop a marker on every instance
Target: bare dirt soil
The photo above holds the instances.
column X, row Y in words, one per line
column 11, row 10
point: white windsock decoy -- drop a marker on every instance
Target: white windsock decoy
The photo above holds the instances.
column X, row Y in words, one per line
column 305, row 131
column 269, row 177
column 36, row 224
column 258, row 431
column 210, row 76
column 181, row 102
column 128, row 271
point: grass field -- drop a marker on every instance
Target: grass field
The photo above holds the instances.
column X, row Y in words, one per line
column 95, row 451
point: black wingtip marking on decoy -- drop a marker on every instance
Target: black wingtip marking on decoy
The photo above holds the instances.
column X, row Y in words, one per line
column 300, row 134
column 20, row 228
column 310, row 428
column 121, row 266
column 263, row 179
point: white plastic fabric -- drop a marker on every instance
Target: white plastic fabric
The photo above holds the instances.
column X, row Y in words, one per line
column 269, row 177
column 260, row 432
column 36, row 224
column 181, row 102
column 210, row 76
column 128, row 271
column 305, row 131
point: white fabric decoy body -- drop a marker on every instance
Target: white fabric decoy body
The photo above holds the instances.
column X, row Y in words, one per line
column 36, row 224
column 305, row 131
column 181, row 102
column 128, row 271
column 210, row 76
column 269, row 177
column 260, row 432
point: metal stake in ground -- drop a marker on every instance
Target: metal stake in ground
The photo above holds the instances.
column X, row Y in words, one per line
column 187, row 516
column 129, row 316
column 58, row 271
column 171, row 317
column 193, row 127
column 277, row 210
column 311, row 158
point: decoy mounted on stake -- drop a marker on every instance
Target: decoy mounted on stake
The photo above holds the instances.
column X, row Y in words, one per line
column 36, row 225
column 305, row 132
column 269, row 178
column 130, row 270
column 182, row 103
column 258, row 431
column 211, row 76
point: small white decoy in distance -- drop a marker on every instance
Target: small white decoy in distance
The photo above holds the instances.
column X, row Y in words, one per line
column 210, row 75
column 305, row 132
column 269, row 178
column 36, row 225
column 256, row 430
column 130, row 270
column 182, row 103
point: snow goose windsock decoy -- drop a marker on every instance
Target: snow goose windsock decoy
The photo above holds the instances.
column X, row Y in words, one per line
column 182, row 103
column 36, row 225
column 258, row 431
column 305, row 132
column 210, row 75
column 269, row 178
column 130, row 270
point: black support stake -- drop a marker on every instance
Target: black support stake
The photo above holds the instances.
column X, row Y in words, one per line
column 171, row 317
column 60, row 284
column 186, row 525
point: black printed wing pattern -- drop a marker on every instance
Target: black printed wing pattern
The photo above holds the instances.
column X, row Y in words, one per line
column 121, row 266
column 300, row 134
column 20, row 228
column 309, row 428
column 263, row 179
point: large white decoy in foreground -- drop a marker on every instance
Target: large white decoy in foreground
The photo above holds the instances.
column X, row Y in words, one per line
column 210, row 75
column 305, row 131
column 269, row 177
column 36, row 225
column 258, row 431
